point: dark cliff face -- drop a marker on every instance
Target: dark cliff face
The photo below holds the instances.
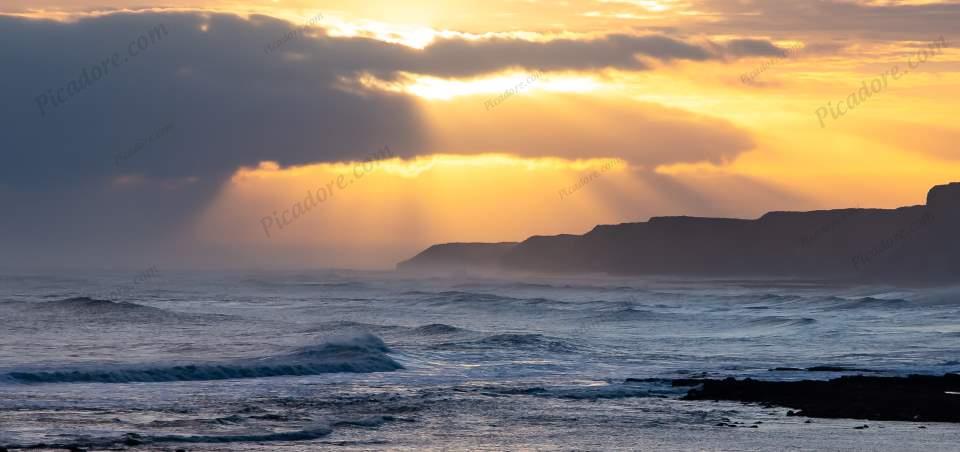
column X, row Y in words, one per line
column 458, row 257
column 944, row 196
column 827, row 244
column 910, row 244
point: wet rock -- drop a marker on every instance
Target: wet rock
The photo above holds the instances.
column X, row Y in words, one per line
column 133, row 439
column 837, row 369
column 914, row 399
column 822, row 369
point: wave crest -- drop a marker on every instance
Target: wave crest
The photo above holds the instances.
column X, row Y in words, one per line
column 95, row 306
column 358, row 354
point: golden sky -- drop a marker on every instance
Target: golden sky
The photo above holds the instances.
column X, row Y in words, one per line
column 708, row 108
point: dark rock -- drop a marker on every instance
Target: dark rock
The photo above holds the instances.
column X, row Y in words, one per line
column 456, row 257
column 643, row 380
column 914, row 244
column 682, row 382
column 133, row 439
column 916, row 398
column 837, row 369
column 944, row 197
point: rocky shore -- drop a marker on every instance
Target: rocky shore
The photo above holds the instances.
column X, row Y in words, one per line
column 916, row 398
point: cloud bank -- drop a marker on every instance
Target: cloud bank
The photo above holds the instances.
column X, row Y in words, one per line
column 234, row 106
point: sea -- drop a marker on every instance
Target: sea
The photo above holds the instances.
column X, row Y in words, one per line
column 345, row 360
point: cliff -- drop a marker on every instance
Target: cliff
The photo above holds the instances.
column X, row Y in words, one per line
column 909, row 244
column 458, row 257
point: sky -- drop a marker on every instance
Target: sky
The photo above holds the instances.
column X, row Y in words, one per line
column 345, row 134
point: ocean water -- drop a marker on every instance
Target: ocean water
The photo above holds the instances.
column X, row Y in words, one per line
column 343, row 360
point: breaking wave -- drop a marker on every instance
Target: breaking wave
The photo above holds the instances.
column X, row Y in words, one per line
column 358, row 354
column 93, row 310
column 87, row 305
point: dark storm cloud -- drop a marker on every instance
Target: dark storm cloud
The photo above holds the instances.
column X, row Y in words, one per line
column 236, row 106
column 462, row 57
column 753, row 47
column 233, row 105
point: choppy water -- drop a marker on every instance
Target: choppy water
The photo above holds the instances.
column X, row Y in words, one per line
column 371, row 361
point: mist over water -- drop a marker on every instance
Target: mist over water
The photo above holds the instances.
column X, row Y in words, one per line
column 368, row 360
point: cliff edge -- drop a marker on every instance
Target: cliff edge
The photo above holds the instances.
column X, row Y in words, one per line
column 908, row 244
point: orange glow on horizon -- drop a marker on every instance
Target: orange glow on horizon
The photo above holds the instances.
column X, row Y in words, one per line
column 491, row 197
